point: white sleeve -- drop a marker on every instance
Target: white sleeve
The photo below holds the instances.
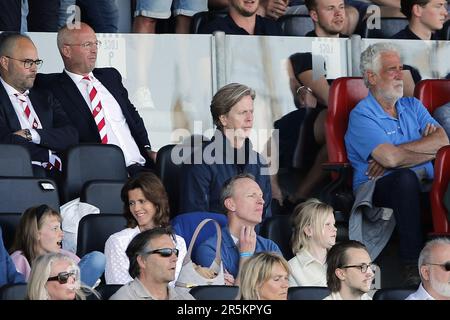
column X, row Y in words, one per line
column 180, row 244
column 117, row 263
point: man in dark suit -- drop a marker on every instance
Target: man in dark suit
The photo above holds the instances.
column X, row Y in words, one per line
column 28, row 116
column 96, row 100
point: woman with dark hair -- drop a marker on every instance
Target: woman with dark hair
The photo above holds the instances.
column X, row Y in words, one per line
column 39, row 232
column 145, row 206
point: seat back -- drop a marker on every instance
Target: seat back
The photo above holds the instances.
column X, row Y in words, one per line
column 169, row 173
column 433, row 93
column 184, row 225
column 308, row 293
column 16, row 291
column 438, row 189
column 278, row 229
column 87, row 162
column 15, row 161
column 215, row 292
column 201, row 19
column 345, row 93
column 296, row 24
column 389, row 26
column 95, row 229
column 9, row 223
column 107, row 290
column 103, row 194
column 393, row 293
column 20, row 193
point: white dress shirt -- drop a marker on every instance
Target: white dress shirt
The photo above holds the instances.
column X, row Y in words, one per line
column 117, row 127
column 117, row 262
column 307, row 270
column 420, row 294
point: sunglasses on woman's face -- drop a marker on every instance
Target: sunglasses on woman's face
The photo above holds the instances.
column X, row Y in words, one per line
column 63, row 277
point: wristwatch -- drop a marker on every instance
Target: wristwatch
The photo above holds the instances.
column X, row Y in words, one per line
column 28, row 134
column 148, row 148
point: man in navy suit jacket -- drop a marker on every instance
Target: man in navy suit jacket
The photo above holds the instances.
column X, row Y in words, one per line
column 29, row 116
column 123, row 125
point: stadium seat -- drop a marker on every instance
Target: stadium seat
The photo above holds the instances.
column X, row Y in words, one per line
column 95, row 229
column 215, row 292
column 296, row 25
column 15, row 161
column 389, row 26
column 278, row 229
column 433, row 93
column 104, row 194
column 9, row 223
column 345, row 93
column 438, row 189
column 20, row 193
column 200, row 19
column 13, row 291
column 393, row 293
column 184, row 225
column 107, row 290
column 308, row 293
column 87, row 162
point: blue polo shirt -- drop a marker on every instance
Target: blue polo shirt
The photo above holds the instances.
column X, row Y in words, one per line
column 369, row 126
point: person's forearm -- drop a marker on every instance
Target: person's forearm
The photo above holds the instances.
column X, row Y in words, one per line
column 429, row 144
column 390, row 156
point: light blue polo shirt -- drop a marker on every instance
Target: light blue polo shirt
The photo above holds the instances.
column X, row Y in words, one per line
column 369, row 126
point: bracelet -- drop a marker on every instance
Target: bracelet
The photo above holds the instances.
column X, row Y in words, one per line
column 246, row 254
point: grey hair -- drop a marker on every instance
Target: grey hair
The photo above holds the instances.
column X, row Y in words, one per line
column 228, row 187
column 226, row 98
column 425, row 254
column 370, row 58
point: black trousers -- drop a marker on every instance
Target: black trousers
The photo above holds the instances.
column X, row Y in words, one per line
column 10, row 15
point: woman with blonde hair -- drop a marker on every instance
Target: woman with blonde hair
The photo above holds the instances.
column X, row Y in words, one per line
column 55, row 276
column 264, row 276
column 314, row 233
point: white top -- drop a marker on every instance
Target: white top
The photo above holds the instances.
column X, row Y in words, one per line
column 337, row 296
column 307, row 270
column 23, row 120
column 117, row 262
column 420, row 294
column 116, row 125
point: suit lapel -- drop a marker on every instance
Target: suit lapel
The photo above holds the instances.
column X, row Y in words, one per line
column 9, row 110
column 74, row 96
column 41, row 109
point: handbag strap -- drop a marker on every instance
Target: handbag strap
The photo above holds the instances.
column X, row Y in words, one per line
column 194, row 238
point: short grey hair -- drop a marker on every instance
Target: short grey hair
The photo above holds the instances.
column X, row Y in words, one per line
column 425, row 254
column 370, row 58
column 226, row 98
column 228, row 187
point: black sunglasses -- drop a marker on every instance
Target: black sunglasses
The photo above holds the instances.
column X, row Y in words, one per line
column 62, row 277
column 163, row 252
column 445, row 265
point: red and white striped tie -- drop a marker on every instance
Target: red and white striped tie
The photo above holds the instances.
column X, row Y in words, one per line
column 97, row 109
column 27, row 111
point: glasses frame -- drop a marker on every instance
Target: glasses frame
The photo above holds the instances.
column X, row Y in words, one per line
column 362, row 266
column 163, row 252
column 37, row 62
column 63, row 277
column 445, row 265
column 85, row 45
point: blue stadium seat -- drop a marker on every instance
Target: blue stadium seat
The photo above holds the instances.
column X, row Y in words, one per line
column 215, row 292
column 308, row 293
column 296, row 25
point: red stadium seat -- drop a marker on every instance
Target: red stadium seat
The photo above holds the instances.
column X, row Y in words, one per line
column 440, row 183
column 433, row 93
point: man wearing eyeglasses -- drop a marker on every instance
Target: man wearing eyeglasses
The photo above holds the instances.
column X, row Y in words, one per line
column 153, row 258
column 350, row 271
column 96, row 99
column 30, row 116
column 434, row 270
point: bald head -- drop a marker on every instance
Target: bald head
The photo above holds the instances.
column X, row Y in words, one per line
column 8, row 42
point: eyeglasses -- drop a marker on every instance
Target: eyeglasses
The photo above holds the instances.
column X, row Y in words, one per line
column 163, row 252
column 28, row 63
column 445, row 265
column 63, row 277
column 363, row 267
column 86, row 45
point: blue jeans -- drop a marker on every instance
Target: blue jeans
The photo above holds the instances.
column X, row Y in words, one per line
column 160, row 9
column 442, row 115
column 92, row 266
column 101, row 15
